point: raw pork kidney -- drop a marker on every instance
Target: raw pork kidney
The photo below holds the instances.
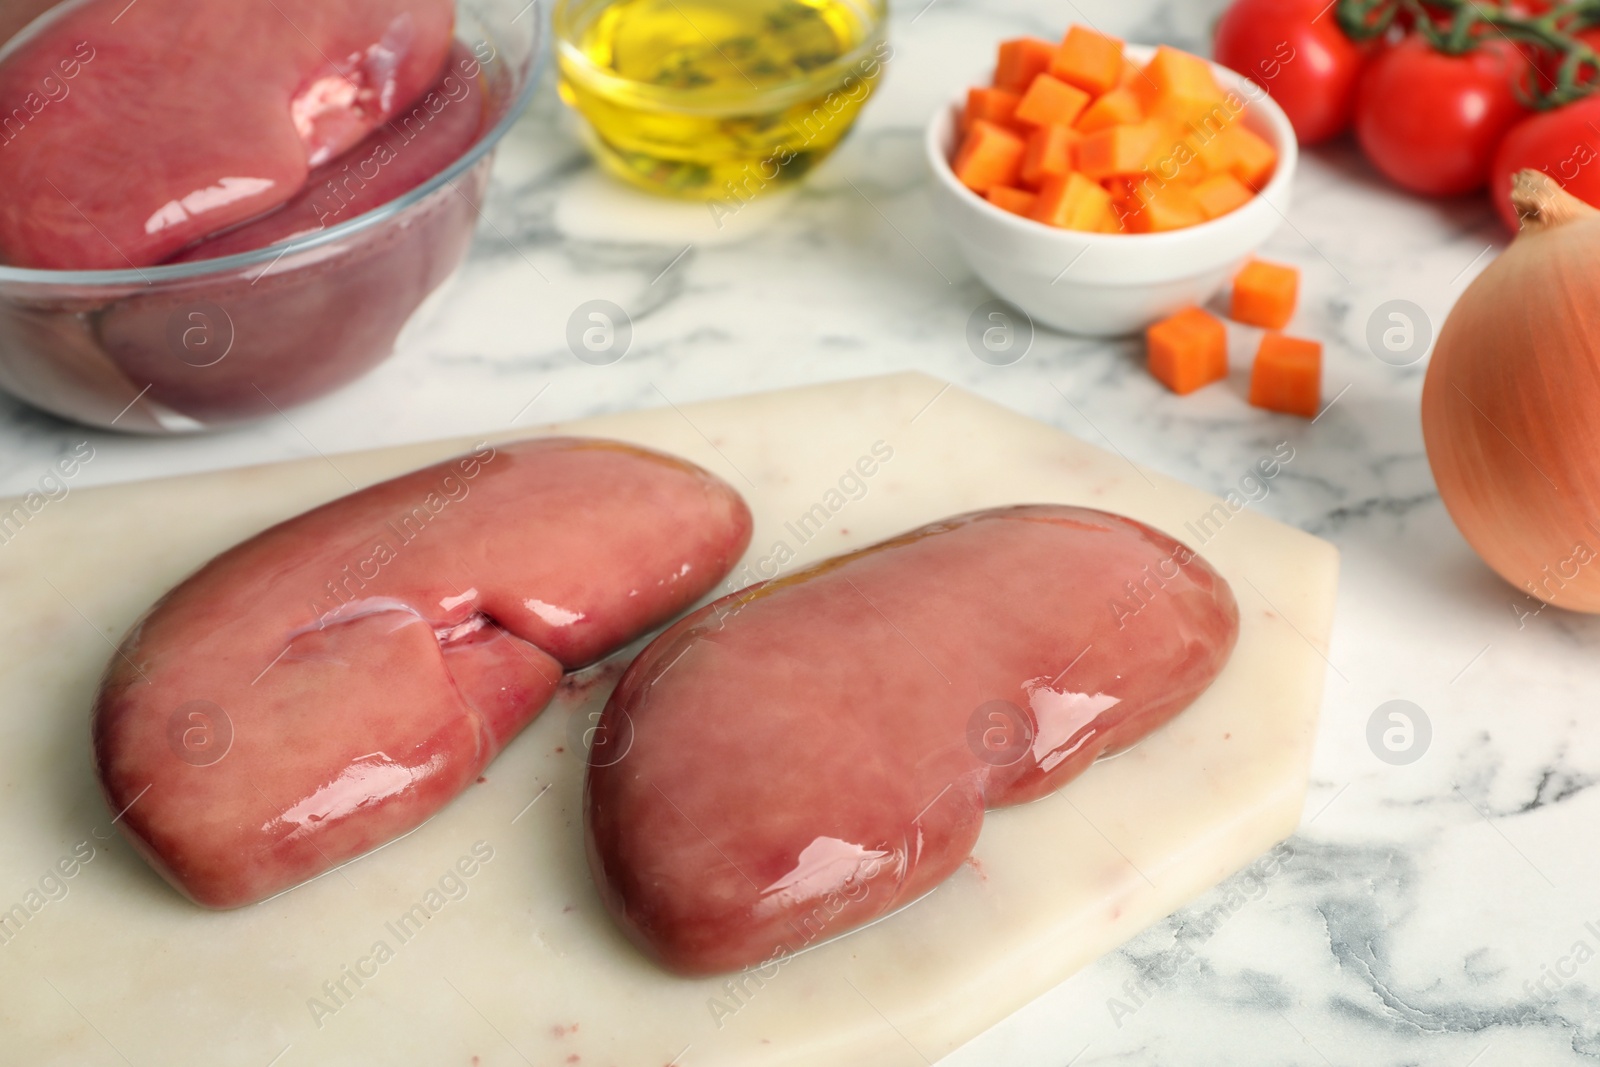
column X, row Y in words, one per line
column 289, row 335
column 805, row 756
column 331, row 683
column 130, row 131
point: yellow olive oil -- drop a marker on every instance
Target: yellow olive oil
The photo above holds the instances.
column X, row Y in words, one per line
column 720, row 99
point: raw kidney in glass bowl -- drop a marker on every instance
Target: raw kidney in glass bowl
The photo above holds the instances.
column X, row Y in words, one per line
column 197, row 343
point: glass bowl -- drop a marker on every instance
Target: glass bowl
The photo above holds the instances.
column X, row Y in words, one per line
column 189, row 346
column 722, row 139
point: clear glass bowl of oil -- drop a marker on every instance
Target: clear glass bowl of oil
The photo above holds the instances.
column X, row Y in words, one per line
column 717, row 99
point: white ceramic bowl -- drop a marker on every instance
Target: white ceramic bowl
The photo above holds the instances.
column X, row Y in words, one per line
column 1109, row 284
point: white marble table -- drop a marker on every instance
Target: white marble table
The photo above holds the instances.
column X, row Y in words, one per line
column 1433, row 912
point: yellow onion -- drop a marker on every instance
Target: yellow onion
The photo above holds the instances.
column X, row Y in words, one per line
column 1511, row 404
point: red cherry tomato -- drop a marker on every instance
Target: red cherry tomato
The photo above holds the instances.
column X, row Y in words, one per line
column 1296, row 51
column 1564, row 143
column 1431, row 122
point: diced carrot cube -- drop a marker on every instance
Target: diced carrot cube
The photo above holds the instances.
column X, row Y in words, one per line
column 1220, row 194
column 1172, row 159
column 1125, row 203
column 991, row 155
column 1180, row 72
column 1022, row 60
column 1187, row 350
column 1264, row 294
column 1250, row 158
column 1182, row 86
column 1189, row 114
column 1133, row 221
column 1118, row 107
column 1214, row 122
column 1214, row 152
column 1150, row 205
column 1016, row 201
column 1073, row 202
column 1287, row 376
column 1048, row 155
column 1171, row 152
column 1051, row 100
column 1095, row 213
column 1118, row 150
column 1172, row 207
column 992, row 105
column 1088, row 59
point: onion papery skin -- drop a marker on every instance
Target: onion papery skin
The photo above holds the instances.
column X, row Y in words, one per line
column 1511, row 404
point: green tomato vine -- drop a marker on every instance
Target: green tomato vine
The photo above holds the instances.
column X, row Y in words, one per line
column 1568, row 68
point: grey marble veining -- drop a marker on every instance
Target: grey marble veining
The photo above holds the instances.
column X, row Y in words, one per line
column 1440, row 912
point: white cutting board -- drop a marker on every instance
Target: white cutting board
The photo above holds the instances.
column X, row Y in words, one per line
column 525, row 967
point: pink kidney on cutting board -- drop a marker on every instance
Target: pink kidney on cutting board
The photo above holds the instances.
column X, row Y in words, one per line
column 812, row 753
column 329, row 684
